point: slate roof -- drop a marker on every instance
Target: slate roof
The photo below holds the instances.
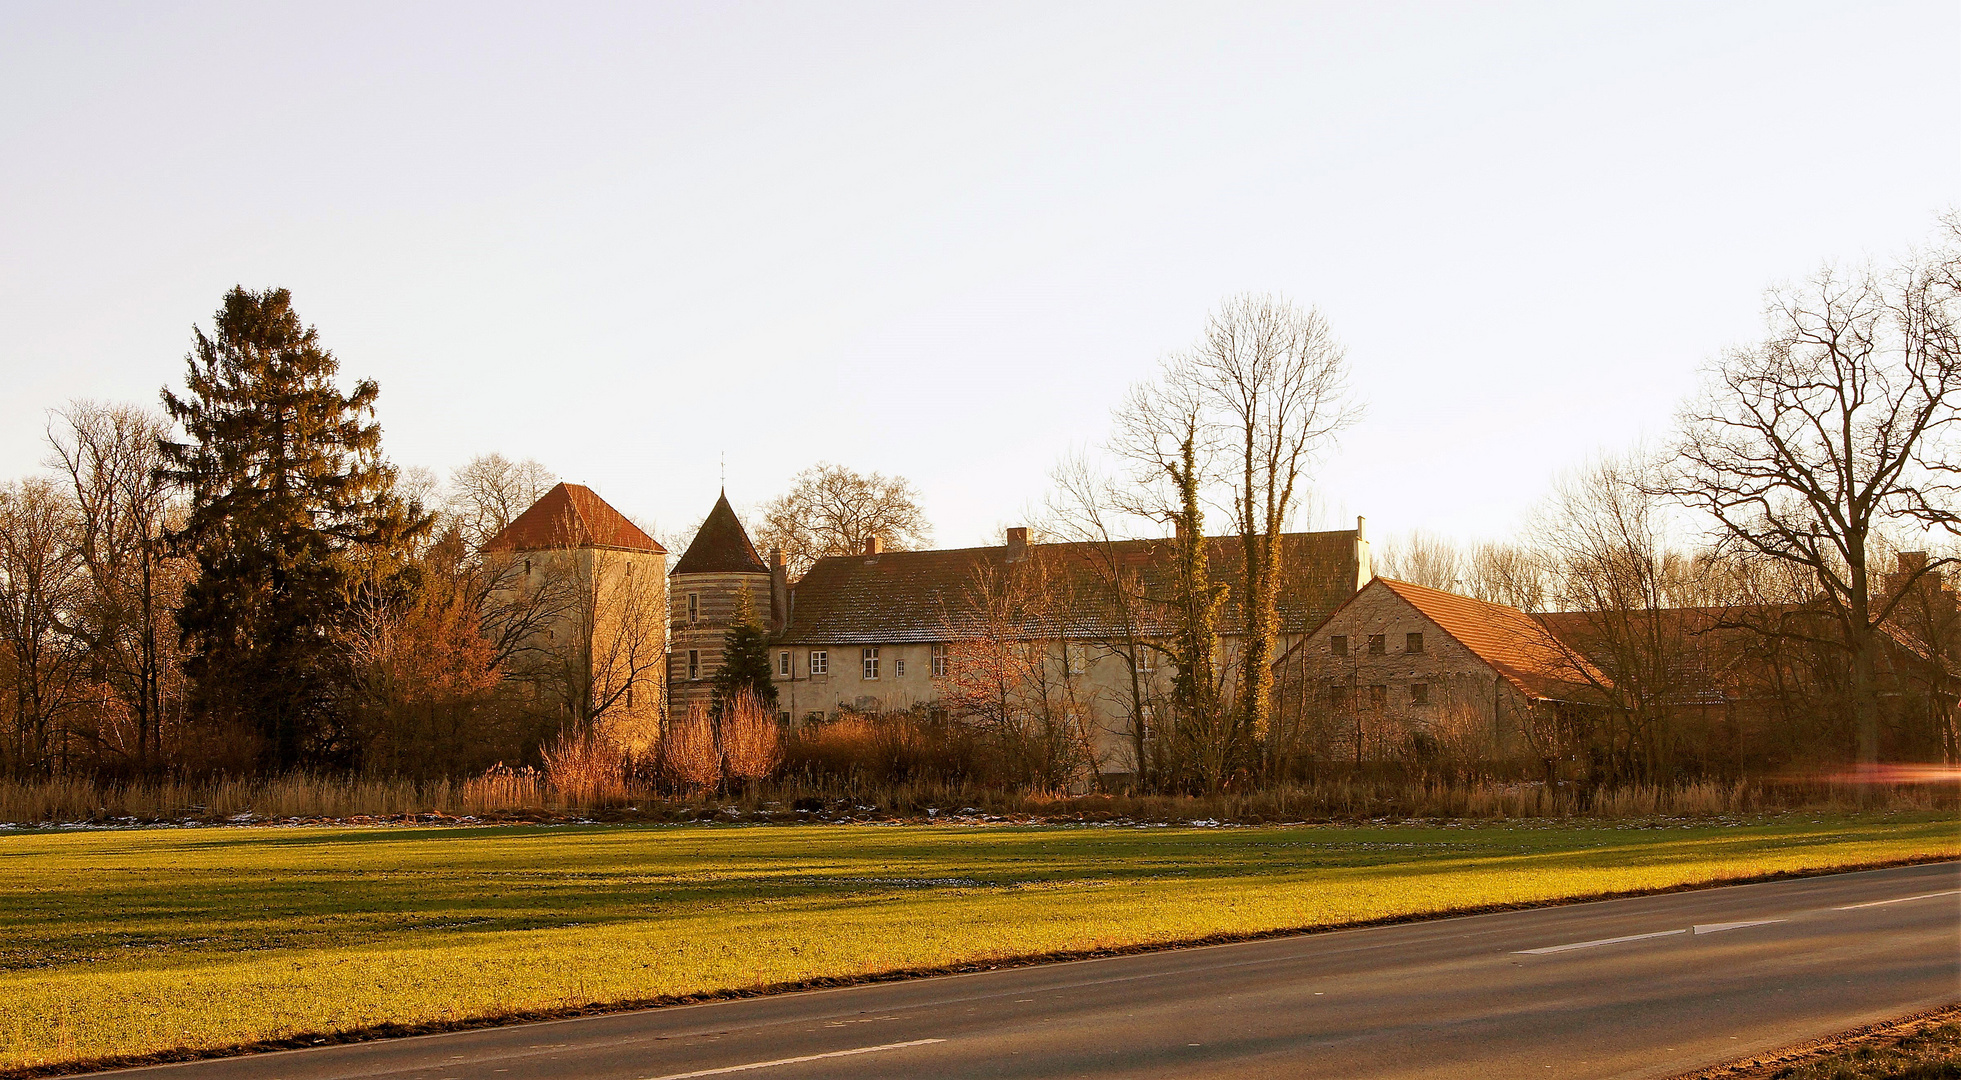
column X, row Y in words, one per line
column 928, row 596
column 572, row 516
column 721, row 547
column 1522, row 649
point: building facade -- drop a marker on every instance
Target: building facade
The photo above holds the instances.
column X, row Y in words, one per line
column 716, row 583
column 579, row 602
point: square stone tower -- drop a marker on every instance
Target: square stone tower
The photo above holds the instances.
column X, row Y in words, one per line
column 581, row 592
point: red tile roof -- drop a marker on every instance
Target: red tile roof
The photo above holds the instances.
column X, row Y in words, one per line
column 925, row 596
column 721, row 546
column 1518, row 646
column 572, row 516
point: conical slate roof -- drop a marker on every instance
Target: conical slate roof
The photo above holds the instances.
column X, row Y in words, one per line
column 571, row 516
column 721, row 547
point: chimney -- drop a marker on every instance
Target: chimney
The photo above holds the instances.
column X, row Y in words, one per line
column 1017, row 544
column 779, row 591
column 872, row 547
column 1364, row 561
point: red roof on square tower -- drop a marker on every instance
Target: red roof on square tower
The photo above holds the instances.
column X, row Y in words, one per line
column 721, row 547
column 572, row 516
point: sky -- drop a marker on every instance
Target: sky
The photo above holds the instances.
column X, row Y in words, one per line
column 638, row 241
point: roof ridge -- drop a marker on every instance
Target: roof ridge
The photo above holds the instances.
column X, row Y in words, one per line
column 572, row 515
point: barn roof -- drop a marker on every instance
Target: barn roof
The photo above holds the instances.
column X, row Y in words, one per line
column 1520, row 648
column 572, row 516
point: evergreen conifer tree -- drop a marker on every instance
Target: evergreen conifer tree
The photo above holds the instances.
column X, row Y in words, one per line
column 293, row 511
column 745, row 661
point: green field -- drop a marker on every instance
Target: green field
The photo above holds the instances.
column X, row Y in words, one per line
column 115, row 943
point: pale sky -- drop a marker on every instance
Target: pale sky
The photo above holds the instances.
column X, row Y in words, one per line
column 940, row 239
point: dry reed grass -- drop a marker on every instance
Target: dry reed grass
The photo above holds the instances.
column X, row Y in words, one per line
column 590, row 779
column 689, row 758
column 752, row 747
column 587, row 769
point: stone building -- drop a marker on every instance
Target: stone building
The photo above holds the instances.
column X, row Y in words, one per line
column 882, row 630
column 581, row 596
column 872, row 632
column 1399, row 661
column 717, row 581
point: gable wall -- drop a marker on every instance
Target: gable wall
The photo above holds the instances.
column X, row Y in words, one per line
column 1463, row 690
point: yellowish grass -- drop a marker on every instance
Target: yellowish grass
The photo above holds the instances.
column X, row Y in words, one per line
column 117, row 943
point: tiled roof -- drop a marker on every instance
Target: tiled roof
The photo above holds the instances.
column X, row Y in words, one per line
column 1517, row 646
column 920, row 596
column 1708, row 654
column 571, row 516
column 721, row 547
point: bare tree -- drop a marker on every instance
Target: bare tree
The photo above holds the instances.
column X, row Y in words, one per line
column 489, row 491
column 1084, row 512
column 1163, row 435
column 41, row 584
column 1011, row 670
column 831, row 510
column 1423, row 558
column 1275, row 380
column 1619, row 581
column 1837, row 424
column 1511, row 574
column 109, row 457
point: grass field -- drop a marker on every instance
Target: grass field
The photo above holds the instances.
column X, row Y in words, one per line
column 136, row 942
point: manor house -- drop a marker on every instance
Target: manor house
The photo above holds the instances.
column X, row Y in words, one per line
column 884, row 630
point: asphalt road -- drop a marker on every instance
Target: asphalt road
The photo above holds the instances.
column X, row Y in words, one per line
column 1643, row 987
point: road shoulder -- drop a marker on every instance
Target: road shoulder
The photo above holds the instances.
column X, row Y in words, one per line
column 1923, row 1038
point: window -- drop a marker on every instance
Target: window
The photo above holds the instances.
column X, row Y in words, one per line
column 694, row 663
column 1419, row 693
column 1412, row 642
column 1378, row 644
column 820, row 662
column 783, row 663
column 527, row 566
column 939, row 661
column 1147, row 658
column 898, row 669
column 1076, row 658
column 1378, row 697
column 870, row 658
column 1338, row 696
column 629, row 695
column 783, row 719
column 694, row 607
column 1338, row 645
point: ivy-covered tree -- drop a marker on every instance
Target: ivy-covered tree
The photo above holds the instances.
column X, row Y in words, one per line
column 293, row 512
column 745, row 661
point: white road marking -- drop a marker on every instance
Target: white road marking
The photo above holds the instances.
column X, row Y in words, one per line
column 1898, row 900
column 795, row 1060
column 1719, row 927
column 1592, row 944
